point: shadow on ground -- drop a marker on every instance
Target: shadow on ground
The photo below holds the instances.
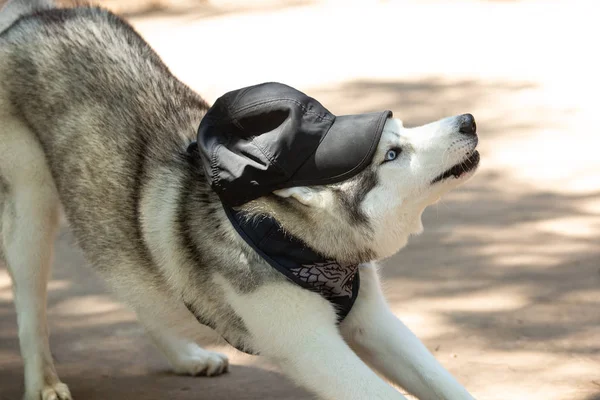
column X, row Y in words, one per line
column 155, row 384
column 502, row 266
column 522, row 282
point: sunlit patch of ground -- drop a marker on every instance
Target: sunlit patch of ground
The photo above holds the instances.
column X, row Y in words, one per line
column 503, row 286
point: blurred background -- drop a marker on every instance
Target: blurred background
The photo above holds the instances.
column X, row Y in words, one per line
column 504, row 284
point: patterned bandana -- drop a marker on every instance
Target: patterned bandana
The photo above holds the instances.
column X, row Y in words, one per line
column 337, row 282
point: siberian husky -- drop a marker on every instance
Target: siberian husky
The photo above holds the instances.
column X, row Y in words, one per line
column 93, row 121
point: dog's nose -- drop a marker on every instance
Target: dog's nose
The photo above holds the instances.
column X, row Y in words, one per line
column 467, row 124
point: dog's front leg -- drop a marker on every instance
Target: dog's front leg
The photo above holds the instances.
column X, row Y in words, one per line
column 297, row 329
column 386, row 344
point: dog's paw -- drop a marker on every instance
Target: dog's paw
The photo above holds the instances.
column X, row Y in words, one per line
column 202, row 362
column 58, row 391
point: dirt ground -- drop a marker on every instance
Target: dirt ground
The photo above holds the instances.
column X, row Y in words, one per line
column 503, row 285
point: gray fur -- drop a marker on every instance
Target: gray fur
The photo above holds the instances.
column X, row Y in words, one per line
column 90, row 117
column 115, row 124
column 351, row 199
column 4, row 192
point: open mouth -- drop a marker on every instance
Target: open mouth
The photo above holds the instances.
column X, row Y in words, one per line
column 461, row 168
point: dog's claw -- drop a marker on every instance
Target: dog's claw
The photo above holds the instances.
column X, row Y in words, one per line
column 204, row 362
column 58, row 391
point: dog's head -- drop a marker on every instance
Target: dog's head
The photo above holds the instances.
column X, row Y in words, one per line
column 372, row 215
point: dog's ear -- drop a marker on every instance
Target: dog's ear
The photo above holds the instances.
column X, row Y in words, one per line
column 302, row 194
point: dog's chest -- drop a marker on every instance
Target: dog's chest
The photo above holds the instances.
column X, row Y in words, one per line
column 337, row 282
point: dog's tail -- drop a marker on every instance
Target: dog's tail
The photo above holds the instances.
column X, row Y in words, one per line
column 17, row 8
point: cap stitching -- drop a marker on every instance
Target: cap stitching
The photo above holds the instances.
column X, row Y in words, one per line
column 261, row 103
column 237, row 99
column 269, row 156
column 320, row 141
column 214, row 163
column 240, row 95
column 213, row 166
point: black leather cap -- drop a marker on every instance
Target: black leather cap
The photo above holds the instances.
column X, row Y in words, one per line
column 271, row 136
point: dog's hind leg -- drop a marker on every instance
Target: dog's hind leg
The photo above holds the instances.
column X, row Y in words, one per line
column 386, row 344
column 170, row 324
column 29, row 222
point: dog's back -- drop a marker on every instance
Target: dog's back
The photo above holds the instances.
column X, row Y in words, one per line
column 87, row 109
column 100, row 101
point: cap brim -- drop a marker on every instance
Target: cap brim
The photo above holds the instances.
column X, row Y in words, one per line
column 347, row 149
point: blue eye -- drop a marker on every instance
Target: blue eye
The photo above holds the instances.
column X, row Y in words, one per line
column 392, row 154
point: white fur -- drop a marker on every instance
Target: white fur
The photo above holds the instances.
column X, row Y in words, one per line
column 30, row 215
column 395, row 205
column 386, row 344
column 298, row 329
column 302, row 194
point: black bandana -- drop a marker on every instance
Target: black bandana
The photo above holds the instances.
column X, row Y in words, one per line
column 337, row 282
